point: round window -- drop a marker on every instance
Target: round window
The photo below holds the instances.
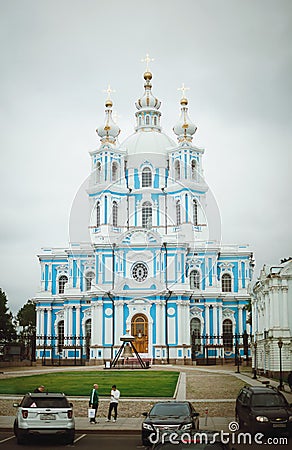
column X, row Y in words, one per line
column 139, row 272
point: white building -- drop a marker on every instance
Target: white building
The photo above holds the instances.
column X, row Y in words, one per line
column 154, row 263
column 272, row 319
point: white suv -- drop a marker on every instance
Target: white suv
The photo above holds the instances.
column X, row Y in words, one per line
column 44, row 414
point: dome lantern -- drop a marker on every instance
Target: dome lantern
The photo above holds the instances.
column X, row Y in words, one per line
column 184, row 128
column 110, row 130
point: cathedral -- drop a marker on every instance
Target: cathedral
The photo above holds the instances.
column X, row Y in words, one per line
column 154, row 265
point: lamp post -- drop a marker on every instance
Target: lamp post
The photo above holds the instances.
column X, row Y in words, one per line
column 255, row 361
column 280, row 345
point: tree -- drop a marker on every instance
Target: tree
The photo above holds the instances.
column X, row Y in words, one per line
column 26, row 316
column 7, row 330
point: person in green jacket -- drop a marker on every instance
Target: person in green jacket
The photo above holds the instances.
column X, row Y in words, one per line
column 93, row 401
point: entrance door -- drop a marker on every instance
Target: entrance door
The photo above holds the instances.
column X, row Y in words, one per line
column 139, row 329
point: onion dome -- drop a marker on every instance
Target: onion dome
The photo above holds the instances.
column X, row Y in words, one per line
column 185, row 128
column 148, row 116
column 110, row 130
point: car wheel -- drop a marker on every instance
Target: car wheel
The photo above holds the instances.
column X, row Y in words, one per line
column 69, row 439
column 239, row 421
column 20, row 439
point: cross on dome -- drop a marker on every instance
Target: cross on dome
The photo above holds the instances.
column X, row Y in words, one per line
column 147, row 60
column 183, row 89
column 109, row 90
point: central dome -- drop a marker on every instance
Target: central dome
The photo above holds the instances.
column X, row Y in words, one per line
column 148, row 142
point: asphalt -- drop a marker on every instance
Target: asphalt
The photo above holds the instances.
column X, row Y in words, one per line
column 133, row 425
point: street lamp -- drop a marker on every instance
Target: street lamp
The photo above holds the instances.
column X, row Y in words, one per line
column 255, row 361
column 280, row 345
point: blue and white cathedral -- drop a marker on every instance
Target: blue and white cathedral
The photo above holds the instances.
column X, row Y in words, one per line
column 154, row 265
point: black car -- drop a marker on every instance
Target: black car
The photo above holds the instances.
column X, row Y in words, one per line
column 193, row 440
column 168, row 416
column 263, row 409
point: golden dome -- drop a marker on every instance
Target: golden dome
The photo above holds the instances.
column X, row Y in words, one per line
column 184, row 101
column 147, row 76
column 108, row 103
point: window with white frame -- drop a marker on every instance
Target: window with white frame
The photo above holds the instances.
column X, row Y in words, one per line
column 61, row 284
column 146, row 177
column 115, row 214
column 194, row 169
column 98, row 214
column 61, row 331
column 195, row 279
column 226, row 282
column 196, row 334
column 98, row 172
column 115, row 169
column 177, row 170
column 178, row 213
column 227, row 329
column 88, row 280
column 147, row 215
column 195, row 212
column 147, row 120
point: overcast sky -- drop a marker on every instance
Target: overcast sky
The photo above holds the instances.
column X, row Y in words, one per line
column 58, row 55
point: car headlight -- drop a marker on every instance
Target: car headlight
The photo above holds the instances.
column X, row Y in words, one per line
column 187, row 426
column 262, row 419
column 290, row 418
column 147, row 426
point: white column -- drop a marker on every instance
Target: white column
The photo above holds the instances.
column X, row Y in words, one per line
column 215, row 323
column 180, row 323
column 49, row 321
column 275, row 299
column 119, row 321
column 187, row 322
column 42, row 321
column 285, row 306
column 239, row 276
column 160, row 322
column 207, row 322
column 38, row 320
column 220, row 321
column 240, row 313
column 96, row 323
column 77, row 318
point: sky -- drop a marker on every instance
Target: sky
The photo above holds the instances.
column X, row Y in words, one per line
column 57, row 57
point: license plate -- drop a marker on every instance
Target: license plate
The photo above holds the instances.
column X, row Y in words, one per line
column 279, row 425
column 48, row 417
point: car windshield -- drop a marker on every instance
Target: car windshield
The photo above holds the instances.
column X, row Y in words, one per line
column 45, row 402
column 267, row 400
column 170, row 410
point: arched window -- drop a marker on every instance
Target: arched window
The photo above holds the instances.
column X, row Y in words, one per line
column 227, row 335
column 115, row 169
column 61, row 284
column 88, row 328
column 195, row 279
column 147, row 120
column 60, row 335
column 155, row 120
column 140, row 120
column 115, row 214
column 226, row 282
column 146, row 177
column 177, row 170
column 147, row 215
column 194, row 169
column 98, row 214
column 178, row 213
column 195, row 335
column 98, row 172
column 195, row 212
column 88, row 280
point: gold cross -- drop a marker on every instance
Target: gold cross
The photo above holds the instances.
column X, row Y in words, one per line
column 147, row 60
column 109, row 90
column 183, row 90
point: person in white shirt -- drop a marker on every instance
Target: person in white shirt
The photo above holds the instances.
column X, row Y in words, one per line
column 114, row 401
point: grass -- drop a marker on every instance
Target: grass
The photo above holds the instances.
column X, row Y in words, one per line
column 142, row 383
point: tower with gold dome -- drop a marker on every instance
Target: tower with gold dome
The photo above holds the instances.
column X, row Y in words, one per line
column 153, row 263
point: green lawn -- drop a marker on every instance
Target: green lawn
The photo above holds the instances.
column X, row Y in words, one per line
column 142, row 383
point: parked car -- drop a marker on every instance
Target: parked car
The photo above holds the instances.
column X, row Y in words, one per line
column 44, row 414
column 263, row 409
column 171, row 416
column 193, row 440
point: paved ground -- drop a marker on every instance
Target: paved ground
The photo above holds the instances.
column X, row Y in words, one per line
column 133, row 424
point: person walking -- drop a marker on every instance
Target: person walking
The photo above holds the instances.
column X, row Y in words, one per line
column 93, row 402
column 114, row 401
column 39, row 390
column 289, row 379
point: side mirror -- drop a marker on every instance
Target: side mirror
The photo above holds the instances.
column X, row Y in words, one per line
column 15, row 405
column 71, row 405
column 145, row 414
column 195, row 414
